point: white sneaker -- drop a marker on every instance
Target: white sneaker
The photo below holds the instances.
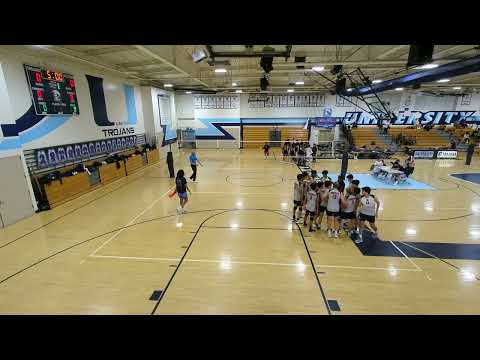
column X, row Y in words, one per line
column 329, row 233
column 184, row 211
column 179, row 210
column 359, row 239
column 335, row 233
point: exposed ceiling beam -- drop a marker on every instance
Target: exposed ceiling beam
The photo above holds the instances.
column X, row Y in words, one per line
column 68, row 53
column 391, row 51
column 139, row 63
column 107, row 50
column 438, row 54
column 156, row 56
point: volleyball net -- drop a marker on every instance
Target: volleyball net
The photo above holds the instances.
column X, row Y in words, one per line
column 279, row 149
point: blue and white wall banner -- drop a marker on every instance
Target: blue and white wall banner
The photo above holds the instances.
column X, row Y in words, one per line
column 324, row 122
column 57, row 155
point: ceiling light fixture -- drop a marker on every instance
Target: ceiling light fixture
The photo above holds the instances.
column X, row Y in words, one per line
column 188, row 92
column 290, row 90
column 168, row 85
column 399, row 89
column 349, row 89
column 378, row 81
column 318, row 68
column 234, row 84
column 220, row 70
column 443, row 80
column 299, row 83
column 457, row 88
column 238, row 91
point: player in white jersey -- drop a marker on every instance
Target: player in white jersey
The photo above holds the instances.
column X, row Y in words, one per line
column 298, row 189
column 322, row 190
column 376, row 167
column 325, row 176
column 349, row 214
column 333, row 210
column 311, row 206
column 307, row 180
column 368, row 211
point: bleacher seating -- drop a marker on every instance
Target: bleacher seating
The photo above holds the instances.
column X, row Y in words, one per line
column 296, row 133
column 256, row 136
column 367, row 135
column 459, row 133
column 424, row 139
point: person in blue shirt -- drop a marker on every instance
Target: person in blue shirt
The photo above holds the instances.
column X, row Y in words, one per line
column 193, row 163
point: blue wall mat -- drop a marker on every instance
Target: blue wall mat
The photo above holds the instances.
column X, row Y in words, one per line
column 369, row 180
column 130, row 102
column 470, row 177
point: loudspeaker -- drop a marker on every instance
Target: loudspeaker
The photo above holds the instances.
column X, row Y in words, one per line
column 470, row 151
column 336, row 69
column 420, row 54
column 340, row 85
column 266, row 63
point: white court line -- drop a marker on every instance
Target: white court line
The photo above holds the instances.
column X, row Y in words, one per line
column 132, row 258
column 367, row 268
column 130, row 222
column 406, row 256
column 249, row 263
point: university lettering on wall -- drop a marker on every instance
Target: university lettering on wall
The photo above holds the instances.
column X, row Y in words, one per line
column 410, row 118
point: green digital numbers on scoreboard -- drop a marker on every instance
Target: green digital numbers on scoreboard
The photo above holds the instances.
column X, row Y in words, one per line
column 52, row 92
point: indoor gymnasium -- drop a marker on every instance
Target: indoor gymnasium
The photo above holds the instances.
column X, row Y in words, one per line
column 239, row 179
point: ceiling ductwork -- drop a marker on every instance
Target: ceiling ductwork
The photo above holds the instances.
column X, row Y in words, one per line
column 449, row 70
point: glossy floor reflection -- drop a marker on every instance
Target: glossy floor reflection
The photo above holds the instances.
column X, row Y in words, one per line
column 236, row 250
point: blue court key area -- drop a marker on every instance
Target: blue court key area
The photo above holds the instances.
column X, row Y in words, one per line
column 375, row 247
column 470, row 177
column 374, row 183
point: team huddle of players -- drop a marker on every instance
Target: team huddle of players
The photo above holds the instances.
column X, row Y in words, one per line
column 346, row 205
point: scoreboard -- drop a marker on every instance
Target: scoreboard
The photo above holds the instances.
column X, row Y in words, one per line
column 52, row 92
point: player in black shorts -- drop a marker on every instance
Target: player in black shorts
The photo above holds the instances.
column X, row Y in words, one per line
column 368, row 211
column 323, row 189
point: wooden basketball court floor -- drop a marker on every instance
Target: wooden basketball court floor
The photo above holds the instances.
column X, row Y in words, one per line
column 236, row 250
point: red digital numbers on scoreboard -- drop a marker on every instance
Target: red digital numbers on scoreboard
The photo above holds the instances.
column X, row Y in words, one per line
column 40, row 94
column 72, row 98
column 72, row 83
column 38, row 77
